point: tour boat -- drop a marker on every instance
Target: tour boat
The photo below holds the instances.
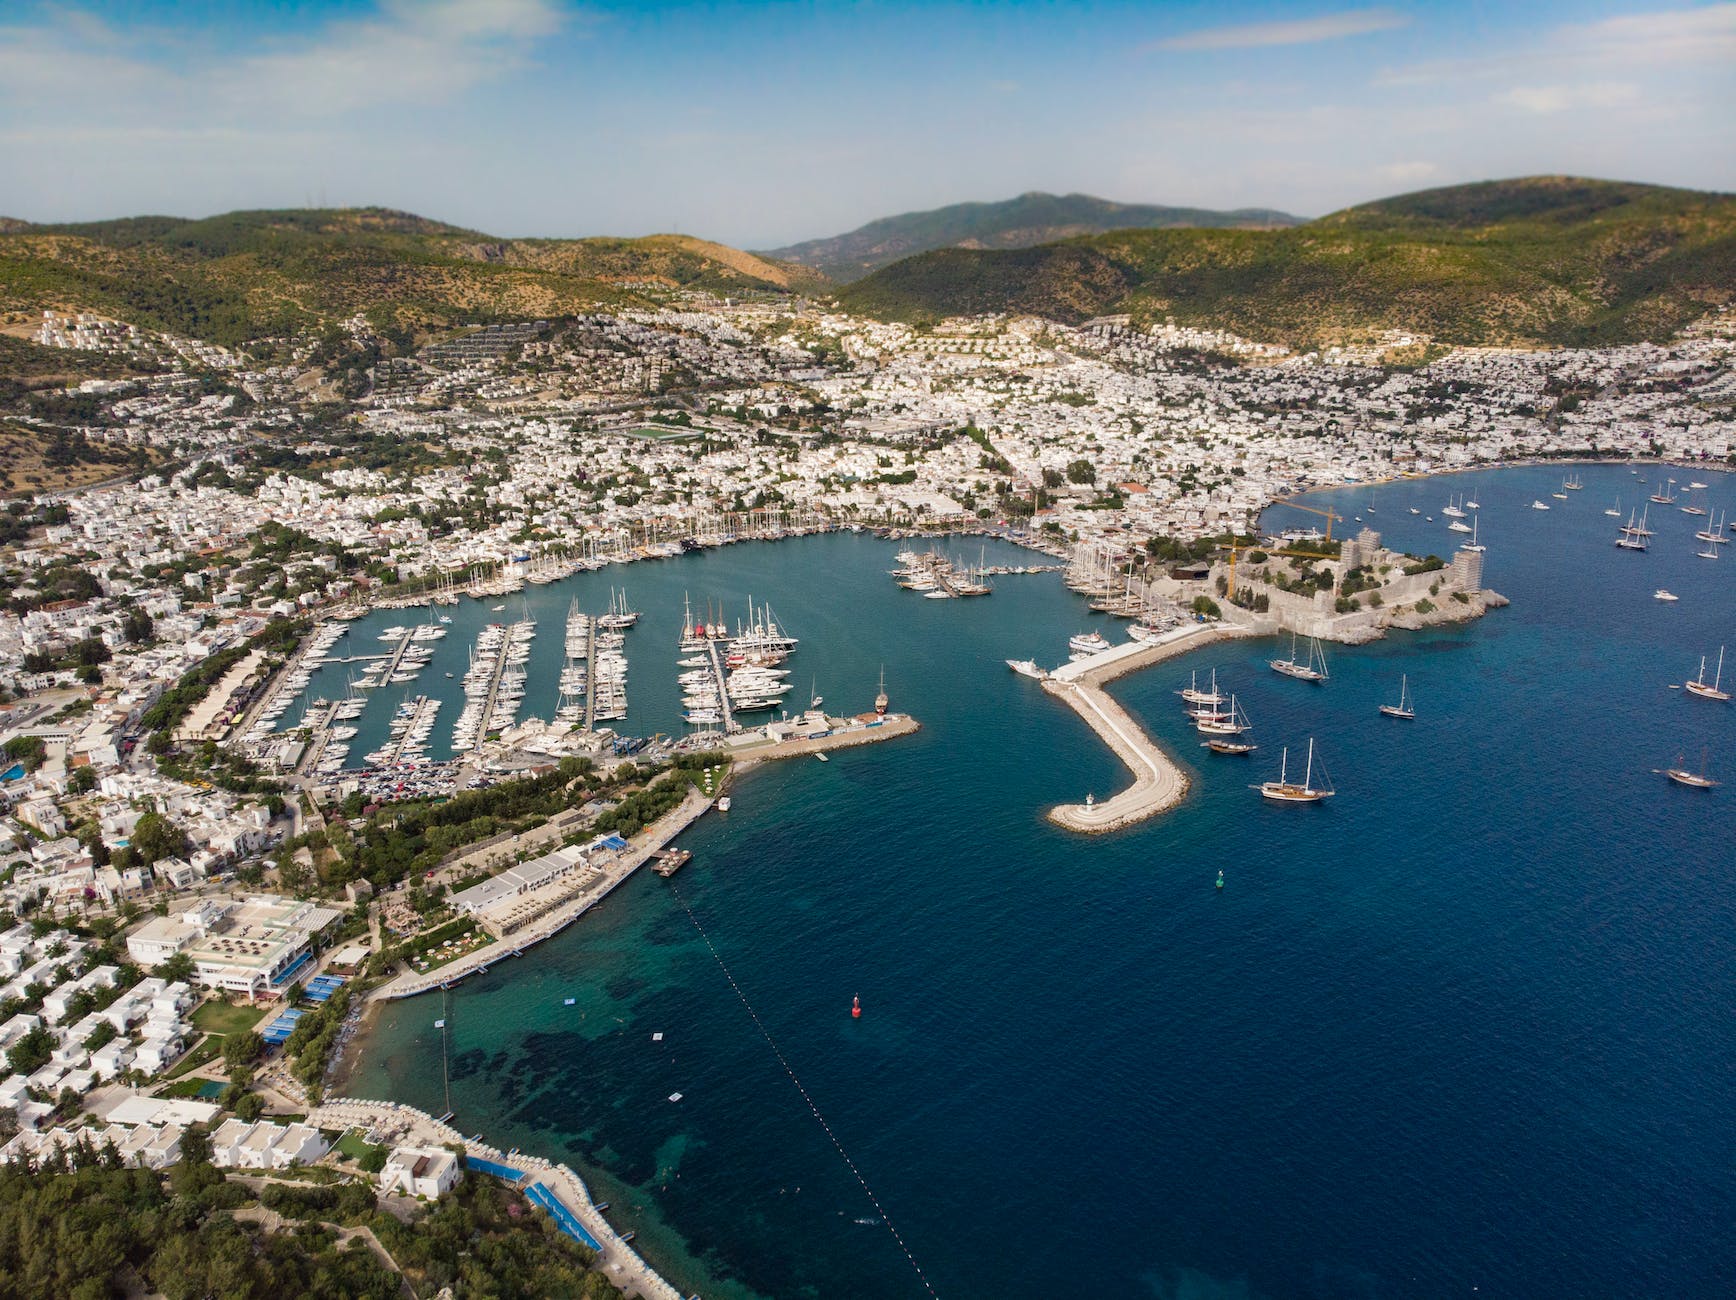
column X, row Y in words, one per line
column 1662, row 594
column 1403, row 708
column 1306, row 671
column 1714, row 691
column 1026, row 668
column 1087, row 643
column 1283, row 790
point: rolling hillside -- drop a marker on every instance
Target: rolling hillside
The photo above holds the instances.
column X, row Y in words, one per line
column 1542, row 260
column 251, row 274
column 1028, row 220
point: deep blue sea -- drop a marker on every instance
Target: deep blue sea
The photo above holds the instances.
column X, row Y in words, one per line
column 1469, row 1028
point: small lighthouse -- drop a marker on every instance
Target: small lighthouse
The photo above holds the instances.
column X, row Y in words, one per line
column 856, row 1007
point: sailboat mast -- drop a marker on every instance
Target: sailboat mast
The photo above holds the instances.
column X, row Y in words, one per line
column 1308, row 777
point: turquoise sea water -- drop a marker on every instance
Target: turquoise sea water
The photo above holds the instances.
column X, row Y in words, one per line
column 1466, row 1029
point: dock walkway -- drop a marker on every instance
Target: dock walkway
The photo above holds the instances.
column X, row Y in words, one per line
column 1159, row 783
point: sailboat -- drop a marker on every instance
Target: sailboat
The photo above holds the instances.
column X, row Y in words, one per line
column 1305, row 671
column 1452, row 510
column 1665, row 498
column 1714, row 691
column 1403, row 708
column 880, row 700
column 1232, row 723
column 1283, row 790
column 1193, row 695
column 1681, row 774
column 1614, row 512
column 1473, row 544
column 1633, row 536
column 1713, row 533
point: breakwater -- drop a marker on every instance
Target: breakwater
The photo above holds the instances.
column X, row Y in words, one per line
column 1159, row 783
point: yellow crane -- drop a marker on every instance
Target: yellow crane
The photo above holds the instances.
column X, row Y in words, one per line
column 1316, row 510
column 1236, row 548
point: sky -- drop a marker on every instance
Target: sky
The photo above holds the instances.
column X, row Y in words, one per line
column 761, row 124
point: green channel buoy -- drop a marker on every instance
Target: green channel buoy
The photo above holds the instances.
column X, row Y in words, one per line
column 1220, row 880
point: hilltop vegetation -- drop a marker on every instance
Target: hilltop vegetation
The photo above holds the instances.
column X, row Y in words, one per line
column 247, row 275
column 1028, row 220
column 1544, row 260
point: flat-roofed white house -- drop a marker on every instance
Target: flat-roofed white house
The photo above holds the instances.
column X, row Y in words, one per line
column 420, row 1171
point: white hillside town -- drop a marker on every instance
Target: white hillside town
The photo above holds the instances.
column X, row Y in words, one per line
column 189, row 899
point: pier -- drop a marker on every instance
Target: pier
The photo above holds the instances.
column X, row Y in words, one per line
column 396, row 656
column 718, row 672
column 591, row 674
column 1159, row 783
column 491, row 699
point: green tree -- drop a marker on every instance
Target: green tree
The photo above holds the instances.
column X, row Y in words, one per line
column 156, row 837
column 179, row 967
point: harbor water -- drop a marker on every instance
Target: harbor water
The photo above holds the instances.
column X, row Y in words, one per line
column 1463, row 1029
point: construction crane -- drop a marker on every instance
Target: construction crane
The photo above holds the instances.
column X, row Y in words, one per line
column 1316, row 510
column 1237, row 548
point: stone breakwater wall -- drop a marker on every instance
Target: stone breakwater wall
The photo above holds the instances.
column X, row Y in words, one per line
column 1159, row 783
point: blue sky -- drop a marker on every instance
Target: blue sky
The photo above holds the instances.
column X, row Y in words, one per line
column 760, row 124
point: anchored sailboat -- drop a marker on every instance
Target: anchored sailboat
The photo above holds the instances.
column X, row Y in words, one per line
column 1682, row 775
column 1714, row 691
column 1283, row 790
column 1313, row 669
column 1403, row 708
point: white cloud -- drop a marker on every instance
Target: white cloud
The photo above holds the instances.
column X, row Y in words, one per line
column 408, row 54
column 1671, row 37
column 1561, row 98
column 1618, row 47
column 1301, row 31
column 404, row 54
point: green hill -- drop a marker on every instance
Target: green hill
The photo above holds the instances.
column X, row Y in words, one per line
column 1028, row 220
column 1542, row 260
column 251, row 274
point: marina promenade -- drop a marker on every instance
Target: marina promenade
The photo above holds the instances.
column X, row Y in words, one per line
column 396, row 1124
column 642, row 846
column 1159, row 784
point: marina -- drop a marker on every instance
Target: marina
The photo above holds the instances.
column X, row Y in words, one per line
column 882, row 872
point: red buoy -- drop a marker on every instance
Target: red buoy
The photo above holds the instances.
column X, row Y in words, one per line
column 856, row 1007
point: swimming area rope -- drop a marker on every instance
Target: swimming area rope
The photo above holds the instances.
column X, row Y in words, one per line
column 802, row 1088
